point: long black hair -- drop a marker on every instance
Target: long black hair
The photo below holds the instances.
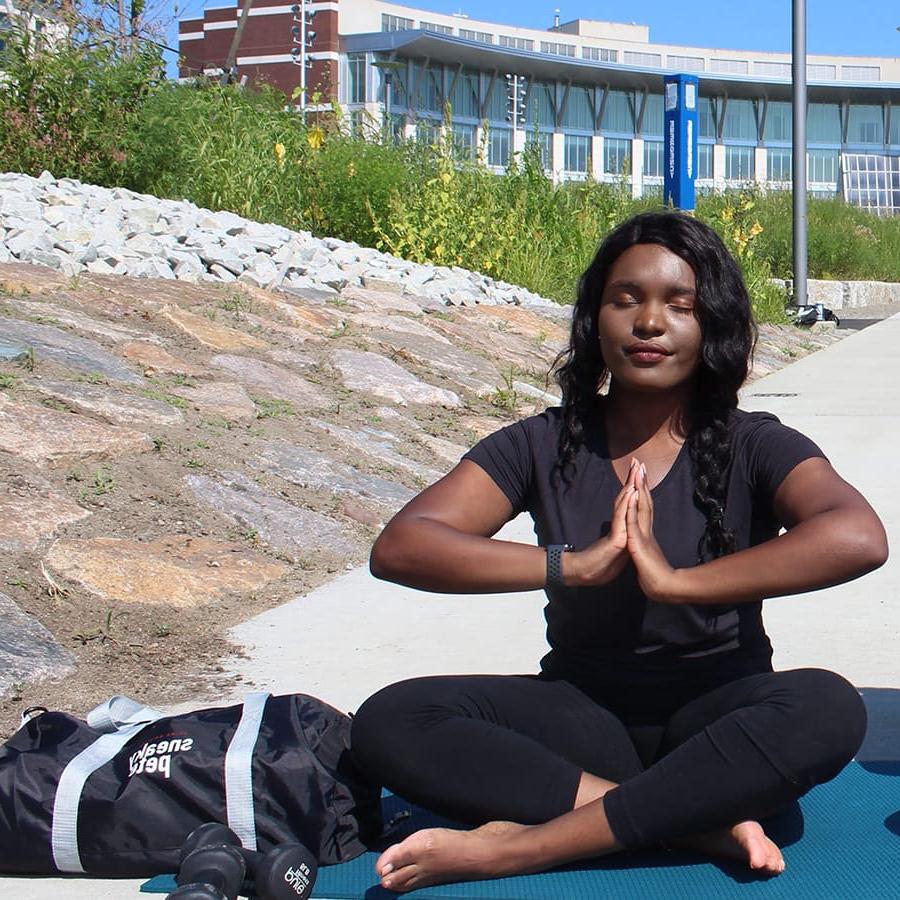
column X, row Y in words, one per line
column 728, row 338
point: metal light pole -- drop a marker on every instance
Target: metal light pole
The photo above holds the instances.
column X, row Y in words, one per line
column 799, row 150
column 302, row 34
column 387, row 67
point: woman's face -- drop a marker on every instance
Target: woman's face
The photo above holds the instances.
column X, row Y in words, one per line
column 649, row 334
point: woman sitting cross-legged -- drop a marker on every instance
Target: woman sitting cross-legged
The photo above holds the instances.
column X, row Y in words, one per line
column 656, row 715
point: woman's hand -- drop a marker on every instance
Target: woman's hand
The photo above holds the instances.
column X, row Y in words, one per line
column 601, row 562
column 655, row 576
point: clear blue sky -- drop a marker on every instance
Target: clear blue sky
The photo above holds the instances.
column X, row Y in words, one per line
column 862, row 28
column 865, row 28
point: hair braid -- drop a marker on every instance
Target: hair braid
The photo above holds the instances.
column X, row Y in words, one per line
column 710, row 449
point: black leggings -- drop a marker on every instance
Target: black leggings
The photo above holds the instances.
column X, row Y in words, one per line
column 482, row 747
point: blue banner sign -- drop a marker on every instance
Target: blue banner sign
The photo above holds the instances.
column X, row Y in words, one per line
column 680, row 169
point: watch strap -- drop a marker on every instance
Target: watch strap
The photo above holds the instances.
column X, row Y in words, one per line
column 554, row 564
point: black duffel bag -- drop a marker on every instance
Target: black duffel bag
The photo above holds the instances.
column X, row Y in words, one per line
column 119, row 793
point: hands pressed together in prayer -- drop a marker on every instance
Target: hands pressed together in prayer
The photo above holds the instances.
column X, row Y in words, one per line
column 630, row 538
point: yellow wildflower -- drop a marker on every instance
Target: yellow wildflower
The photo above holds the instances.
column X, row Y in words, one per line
column 315, row 137
column 279, row 155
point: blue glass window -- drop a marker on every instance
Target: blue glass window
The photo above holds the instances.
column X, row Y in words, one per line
column 617, row 114
column 498, row 102
column 740, row 121
column 823, row 123
column 356, row 77
column 704, row 161
column 498, row 146
column 464, row 140
column 894, row 136
column 464, row 101
column 706, row 118
column 654, row 115
column 779, row 121
column 739, row 163
column 428, row 131
column 865, row 125
column 427, row 88
column 653, row 158
column 617, row 156
column 779, row 164
column 577, row 152
column 543, row 140
column 822, row 167
column 578, row 112
column 540, row 105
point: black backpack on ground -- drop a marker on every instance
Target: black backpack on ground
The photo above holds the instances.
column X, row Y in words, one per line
column 119, row 793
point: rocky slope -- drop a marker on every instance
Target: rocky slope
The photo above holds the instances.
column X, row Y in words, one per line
column 178, row 453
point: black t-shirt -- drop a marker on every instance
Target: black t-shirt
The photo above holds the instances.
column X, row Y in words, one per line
column 604, row 638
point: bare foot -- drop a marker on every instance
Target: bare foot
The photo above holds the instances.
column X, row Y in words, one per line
column 439, row 855
column 746, row 842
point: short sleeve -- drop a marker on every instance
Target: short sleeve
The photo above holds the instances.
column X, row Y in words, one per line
column 770, row 451
column 508, row 457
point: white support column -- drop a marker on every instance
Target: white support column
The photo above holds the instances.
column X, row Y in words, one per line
column 518, row 140
column 480, row 152
column 409, row 130
column 637, row 167
column 760, row 165
column 557, row 156
column 719, row 166
column 597, row 157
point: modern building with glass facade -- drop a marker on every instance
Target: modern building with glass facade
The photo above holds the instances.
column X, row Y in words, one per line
column 588, row 93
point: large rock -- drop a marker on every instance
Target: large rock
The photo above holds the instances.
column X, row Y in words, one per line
column 47, row 436
column 22, row 278
column 31, row 511
column 178, row 570
column 13, row 352
column 538, row 326
column 317, row 322
column 379, row 447
column 219, row 398
column 210, row 334
column 468, row 370
column 282, row 525
column 400, row 323
column 155, row 359
column 380, row 376
column 272, row 380
column 311, row 469
column 363, row 298
column 28, row 651
column 114, row 406
column 77, row 353
column 52, row 313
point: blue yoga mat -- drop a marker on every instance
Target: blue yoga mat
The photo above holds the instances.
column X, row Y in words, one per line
column 841, row 842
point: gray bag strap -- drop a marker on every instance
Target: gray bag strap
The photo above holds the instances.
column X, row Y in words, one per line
column 239, row 770
column 64, row 828
column 112, row 714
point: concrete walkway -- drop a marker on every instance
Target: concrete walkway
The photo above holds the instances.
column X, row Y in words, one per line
column 355, row 634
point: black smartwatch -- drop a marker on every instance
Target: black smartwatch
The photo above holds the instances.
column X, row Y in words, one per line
column 554, row 564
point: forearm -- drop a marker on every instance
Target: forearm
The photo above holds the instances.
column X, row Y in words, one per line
column 828, row 549
column 423, row 553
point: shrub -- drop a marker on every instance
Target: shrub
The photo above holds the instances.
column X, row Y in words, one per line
column 69, row 108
